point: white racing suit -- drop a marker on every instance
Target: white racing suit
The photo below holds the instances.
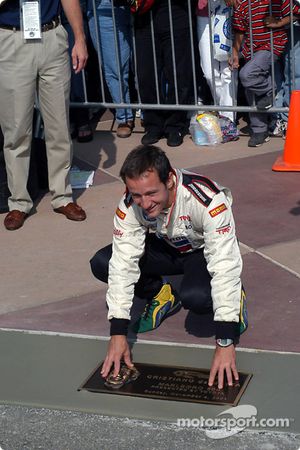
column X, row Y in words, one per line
column 200, row 218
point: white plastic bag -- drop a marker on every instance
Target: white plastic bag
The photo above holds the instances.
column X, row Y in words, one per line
column 221, row 29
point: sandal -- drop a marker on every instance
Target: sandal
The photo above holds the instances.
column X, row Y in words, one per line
column 84, row 133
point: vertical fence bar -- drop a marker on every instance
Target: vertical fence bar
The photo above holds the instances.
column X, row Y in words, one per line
column 192, row 52
column 250, row 28
column 98, row 49
column 154, row 58
column 84, row 86
column 173, row 51
column 234, row 72
column 136, row 79
column 117, row 50
column 211, row 51
column 272, row 55
column 251, row 36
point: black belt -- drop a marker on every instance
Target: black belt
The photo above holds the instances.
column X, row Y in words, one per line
column 46, row 27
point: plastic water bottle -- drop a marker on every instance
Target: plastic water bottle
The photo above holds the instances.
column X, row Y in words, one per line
column 197, row 132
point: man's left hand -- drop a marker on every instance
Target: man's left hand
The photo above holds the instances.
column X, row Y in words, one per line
column 224, row 361
column 79, row 55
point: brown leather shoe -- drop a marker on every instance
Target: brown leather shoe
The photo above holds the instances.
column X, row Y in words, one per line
column 14, row 219
column 124, row 130
column 72, row 211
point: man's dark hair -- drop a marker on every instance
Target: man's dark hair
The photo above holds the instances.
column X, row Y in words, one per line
column 146, row 158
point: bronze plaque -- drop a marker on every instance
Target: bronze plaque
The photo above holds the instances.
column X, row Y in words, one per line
column 183, row 384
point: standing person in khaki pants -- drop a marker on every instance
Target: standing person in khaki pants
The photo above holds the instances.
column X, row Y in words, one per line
column 34, row 57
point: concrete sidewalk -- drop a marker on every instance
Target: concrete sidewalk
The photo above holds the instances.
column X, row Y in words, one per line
column 47, row 284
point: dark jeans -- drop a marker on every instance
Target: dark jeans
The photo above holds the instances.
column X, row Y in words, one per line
column 80, row 116
column 162, row 259
column 164, row 121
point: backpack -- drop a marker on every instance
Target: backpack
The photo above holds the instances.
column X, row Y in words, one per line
column 140, row 6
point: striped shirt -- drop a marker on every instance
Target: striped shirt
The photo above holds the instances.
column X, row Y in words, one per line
column 261, row 35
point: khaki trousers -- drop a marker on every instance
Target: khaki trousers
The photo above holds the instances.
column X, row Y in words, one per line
column 26, row 69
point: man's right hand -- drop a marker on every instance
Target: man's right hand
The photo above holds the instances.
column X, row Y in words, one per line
column 233, row 61
column 118, row 349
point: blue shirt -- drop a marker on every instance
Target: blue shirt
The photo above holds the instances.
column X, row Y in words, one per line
column 10, row 12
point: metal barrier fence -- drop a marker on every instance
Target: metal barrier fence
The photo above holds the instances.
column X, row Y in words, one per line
column 94, row 10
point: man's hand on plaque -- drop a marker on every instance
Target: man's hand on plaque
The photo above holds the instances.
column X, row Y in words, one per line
column 118, row 349
column 223, row 362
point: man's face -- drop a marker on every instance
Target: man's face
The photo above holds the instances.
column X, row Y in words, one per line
column 150, row 193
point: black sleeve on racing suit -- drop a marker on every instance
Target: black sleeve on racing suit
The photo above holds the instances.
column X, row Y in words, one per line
column 227, row 330
column 119, row 326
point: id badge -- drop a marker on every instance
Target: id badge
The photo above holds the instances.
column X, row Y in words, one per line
column 30, row 19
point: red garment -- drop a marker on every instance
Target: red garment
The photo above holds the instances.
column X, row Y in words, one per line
column 261, row 34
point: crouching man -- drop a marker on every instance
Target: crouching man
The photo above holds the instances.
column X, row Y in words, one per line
column 169, row 222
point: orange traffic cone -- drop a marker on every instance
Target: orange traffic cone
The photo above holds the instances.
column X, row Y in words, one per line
column 290, row 161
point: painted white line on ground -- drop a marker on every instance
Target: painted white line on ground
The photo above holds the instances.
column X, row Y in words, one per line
column 268, row 258
column 139, row 341
column 110, row 174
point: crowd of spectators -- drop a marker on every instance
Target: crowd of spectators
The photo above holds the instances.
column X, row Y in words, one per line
column 150, row 47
